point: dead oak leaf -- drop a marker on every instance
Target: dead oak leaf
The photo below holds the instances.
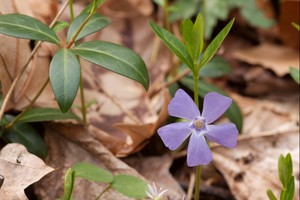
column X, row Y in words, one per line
column 19, row 169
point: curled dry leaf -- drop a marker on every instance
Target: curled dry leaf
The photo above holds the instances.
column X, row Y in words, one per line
column 69, row 144
column 19, row 169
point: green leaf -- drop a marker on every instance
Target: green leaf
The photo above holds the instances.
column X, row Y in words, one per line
column 161, row 3
column 285, row 169
column 130, row 186
column 45, row 114
column 23, row 26
column 183, row 9
column 69, row 184
column 115, row 58
column 65, row 78
column 25, row 134
column 271, row 195
column 297, row 26
column 217, row 67
column 295, row 73
column 233, row 113
column 193, row 36
column 60, row 25
column 95, row 23
column 92, row 172
column 254, row 16
column 290, row 189
column 174, row 44
column 215, row 44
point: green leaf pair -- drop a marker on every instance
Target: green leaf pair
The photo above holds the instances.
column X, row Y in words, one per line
column 193, row 36
column 130, row 186
column 65, row 66
column 285, row 173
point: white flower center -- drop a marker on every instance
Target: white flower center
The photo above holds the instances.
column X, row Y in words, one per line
column 198, row 124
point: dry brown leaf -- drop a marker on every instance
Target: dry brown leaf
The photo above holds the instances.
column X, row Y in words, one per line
column 274, row 57
column 19, row 169
column 69, row 144
column 251, row 168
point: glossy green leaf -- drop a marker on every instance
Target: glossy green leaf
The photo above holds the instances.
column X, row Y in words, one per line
column 25, row 134
column 65, row 78
column 233, row 113
column 212, row 48
column 174, row 44
column 271, row 195
column 60, row 25
column 295, row 73
column 69, row 184
column 92, row 172
column 217, row 67
column 115, row 58
column 45, row 114
column 95, row 23
column 130, row 186
column 23, row 26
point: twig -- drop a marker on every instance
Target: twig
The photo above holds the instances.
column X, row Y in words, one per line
column 14, row 83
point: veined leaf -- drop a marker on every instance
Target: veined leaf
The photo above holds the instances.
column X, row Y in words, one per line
column 92, row 173
column 215, row 44
column 130, row 186
column 45, row 114
column 217, row 67
column 174, row 44
column 23, row 26
column 94, row 5
column 233, row 113
column 115, row 58
column 95, row 23
column 60, row 25
column 25, row 134
column 65, row 77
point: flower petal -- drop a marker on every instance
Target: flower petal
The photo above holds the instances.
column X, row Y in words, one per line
column 183, row 106
column 214, row 106
column 198, row 151
column 174, row 134
column 224, row 134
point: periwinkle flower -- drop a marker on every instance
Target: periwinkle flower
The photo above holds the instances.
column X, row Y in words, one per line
column 198, row 126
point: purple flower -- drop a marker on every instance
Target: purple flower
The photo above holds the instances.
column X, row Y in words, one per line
column 198, row 126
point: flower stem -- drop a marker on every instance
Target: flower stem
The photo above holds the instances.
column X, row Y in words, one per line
column 198, row 168
column 197, row 184
column 71, row 9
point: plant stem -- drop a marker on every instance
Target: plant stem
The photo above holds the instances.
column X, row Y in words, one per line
column 198, row 180
column 107, row 188
column 83, row 106
column 198, row 168
column 14, row 83
column 18, row 117
column 79, row 30
column 166, row 16
column 71, row 10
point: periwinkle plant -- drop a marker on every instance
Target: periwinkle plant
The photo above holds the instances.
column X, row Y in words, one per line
column 198, row 126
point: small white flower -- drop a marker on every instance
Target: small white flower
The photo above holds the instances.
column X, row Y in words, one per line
column 153, row 193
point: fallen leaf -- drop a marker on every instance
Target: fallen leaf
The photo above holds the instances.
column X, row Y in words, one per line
column 19, row 169
column 70, row 144
column 251, row 168
column 270, row 56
